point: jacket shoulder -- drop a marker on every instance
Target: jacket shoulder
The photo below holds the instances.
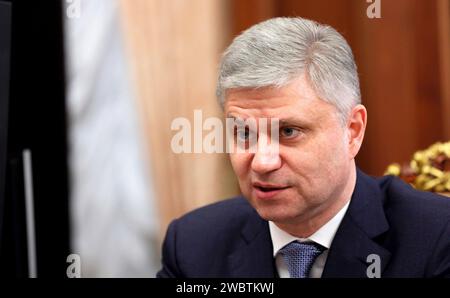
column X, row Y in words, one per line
column 198, row 243
column 223, row 215
column 426, row 207
column 419, row 228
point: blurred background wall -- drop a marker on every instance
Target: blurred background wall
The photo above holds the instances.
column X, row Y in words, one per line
column 171, row 50
column 175, row 46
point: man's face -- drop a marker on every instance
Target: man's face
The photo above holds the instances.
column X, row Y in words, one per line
column 311, row 169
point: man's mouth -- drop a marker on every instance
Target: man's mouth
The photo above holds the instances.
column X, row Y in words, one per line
column 267, row 191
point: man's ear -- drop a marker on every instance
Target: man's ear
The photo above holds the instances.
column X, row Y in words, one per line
column 356, row 126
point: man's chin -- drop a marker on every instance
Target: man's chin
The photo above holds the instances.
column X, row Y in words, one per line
column 273, row 210
column 274, row 215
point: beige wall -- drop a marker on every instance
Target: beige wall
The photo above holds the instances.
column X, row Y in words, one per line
column 175, row 47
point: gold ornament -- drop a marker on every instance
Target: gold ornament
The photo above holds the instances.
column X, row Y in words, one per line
column 428, row 170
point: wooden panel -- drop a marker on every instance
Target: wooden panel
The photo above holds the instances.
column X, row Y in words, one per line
column 443, row 13
column 400, row 84
column 245, row 13
column 429, row 122
column 334, row 13
column 387, row 75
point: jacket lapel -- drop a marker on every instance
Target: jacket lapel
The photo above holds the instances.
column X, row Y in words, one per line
column 356, row 238
column 253, row 258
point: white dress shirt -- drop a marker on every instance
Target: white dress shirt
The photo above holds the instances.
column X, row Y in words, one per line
column 323, row 236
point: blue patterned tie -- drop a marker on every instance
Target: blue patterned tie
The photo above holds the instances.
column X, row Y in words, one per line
column 300, row 257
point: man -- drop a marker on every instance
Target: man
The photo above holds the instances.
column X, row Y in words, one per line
column 306, row 210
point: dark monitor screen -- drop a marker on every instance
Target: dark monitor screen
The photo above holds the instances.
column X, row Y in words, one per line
column 34, row 238
column 5, row 37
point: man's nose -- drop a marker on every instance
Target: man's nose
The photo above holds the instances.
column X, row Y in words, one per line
column 267, row 158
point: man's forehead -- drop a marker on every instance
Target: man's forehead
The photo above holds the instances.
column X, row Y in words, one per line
column 271, row 97
column 267, row 98
column 281, row 108
column 301, row 114
column 257, row 93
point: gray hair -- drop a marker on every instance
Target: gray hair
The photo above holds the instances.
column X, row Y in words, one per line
column 277, row 51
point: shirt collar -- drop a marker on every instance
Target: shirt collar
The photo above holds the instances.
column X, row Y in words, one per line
column 323, row 236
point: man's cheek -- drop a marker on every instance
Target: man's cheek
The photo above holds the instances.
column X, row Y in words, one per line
column 234, row 163
column 239, row 164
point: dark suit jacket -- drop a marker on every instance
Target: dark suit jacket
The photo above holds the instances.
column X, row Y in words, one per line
column 408, row 229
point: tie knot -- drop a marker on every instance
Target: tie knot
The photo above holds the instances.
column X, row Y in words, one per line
column 300, row 257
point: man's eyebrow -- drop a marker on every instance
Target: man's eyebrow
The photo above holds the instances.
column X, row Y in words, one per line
column 294, row 121
column 287, row 121
column 281, row 121
column 236, row 118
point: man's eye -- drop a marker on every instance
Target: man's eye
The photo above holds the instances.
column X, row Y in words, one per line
column 243, row 134
column 289, row 132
